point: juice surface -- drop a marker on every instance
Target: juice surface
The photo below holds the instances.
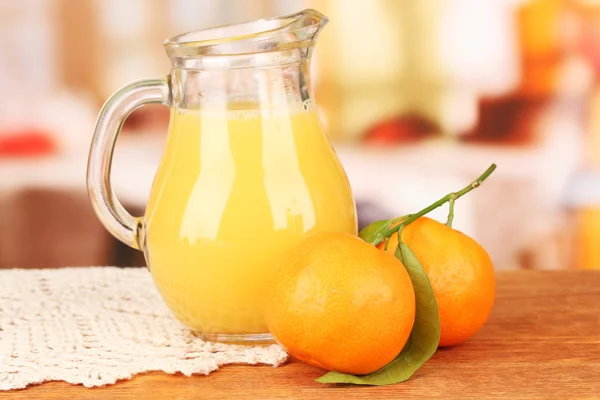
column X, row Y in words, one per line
column 234, row 192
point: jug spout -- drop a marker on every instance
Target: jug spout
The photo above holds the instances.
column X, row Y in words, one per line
column 296, row 32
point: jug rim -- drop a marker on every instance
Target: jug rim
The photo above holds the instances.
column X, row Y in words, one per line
column 207, row 41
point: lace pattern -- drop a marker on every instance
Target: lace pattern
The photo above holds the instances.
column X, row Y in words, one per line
column 97, row 325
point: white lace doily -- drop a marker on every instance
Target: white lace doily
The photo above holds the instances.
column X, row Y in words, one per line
column 96, row 325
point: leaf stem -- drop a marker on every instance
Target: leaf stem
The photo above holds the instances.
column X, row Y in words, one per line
column 451, row 211
column 449, row 197
column 398, row 219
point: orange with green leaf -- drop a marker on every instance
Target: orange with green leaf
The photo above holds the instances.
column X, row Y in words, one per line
column 461, row 275
column 372, row 310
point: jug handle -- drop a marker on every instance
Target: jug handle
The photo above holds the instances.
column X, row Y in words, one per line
column 117, row 108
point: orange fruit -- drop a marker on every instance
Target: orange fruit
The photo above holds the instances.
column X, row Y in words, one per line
column 461, row 275
column 341, row 304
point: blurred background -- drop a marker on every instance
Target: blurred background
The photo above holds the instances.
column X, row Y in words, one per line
column 417, row 96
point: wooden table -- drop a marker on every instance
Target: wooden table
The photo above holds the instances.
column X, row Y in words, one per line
column 541, row 342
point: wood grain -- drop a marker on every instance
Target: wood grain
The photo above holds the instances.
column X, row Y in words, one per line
column 541, row 342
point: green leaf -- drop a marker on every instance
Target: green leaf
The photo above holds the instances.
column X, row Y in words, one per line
column 424, row 337
column 374, row 233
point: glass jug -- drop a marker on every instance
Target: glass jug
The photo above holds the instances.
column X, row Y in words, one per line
column 247, row 171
